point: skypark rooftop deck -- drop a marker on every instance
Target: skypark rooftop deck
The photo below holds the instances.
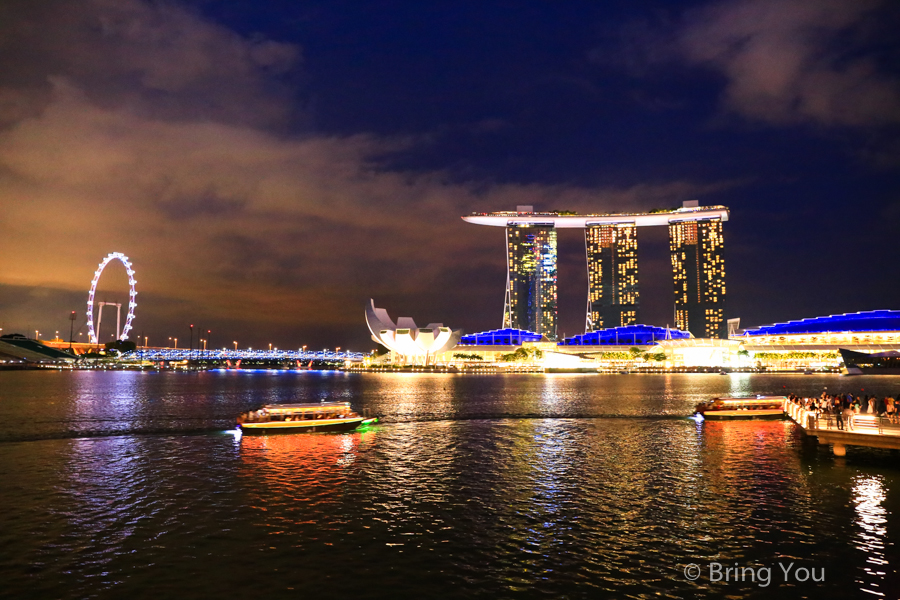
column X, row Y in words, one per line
column 504, row 218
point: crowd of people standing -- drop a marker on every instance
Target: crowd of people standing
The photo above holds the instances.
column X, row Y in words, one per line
column 844, row 406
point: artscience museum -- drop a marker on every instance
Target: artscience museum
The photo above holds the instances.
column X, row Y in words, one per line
column 407, row 341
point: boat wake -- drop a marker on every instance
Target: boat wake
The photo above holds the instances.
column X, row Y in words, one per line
column 108, row 429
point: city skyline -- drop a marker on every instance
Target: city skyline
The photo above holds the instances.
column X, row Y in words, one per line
column 269, row 168
column 696, row 247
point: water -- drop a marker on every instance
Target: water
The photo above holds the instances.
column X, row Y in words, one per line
column 119, row 484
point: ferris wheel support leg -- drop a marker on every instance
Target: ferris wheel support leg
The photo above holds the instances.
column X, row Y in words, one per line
column 100, row 306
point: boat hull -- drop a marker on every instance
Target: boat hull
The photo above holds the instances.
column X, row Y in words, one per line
column 304, row 426
column 853, row 370
column 880, row 363
column 743, row 415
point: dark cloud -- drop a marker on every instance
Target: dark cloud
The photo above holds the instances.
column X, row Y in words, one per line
column 791, row 61
column 828, row 62
column 153, row 136
column 157, row 59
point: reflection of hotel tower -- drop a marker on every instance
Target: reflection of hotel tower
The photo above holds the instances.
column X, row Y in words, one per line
column 695, row 236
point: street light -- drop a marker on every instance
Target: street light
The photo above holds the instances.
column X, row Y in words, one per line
column 71, row 328
column 235, row 346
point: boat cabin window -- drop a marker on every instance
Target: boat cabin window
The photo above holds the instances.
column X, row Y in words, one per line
column 745, row 403
column 299, row 413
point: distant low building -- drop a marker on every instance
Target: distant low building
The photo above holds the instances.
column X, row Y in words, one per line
column 796, row 345
column 615, row 347
column 17, row 349
column 874, row 329
column 704, row 352
column 501, row 337
column 633, row 335
column 494, row 345
column 648, row 345
column 409, row 343
column 816, row 341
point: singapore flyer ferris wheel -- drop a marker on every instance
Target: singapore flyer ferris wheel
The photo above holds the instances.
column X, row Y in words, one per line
column 123, row 335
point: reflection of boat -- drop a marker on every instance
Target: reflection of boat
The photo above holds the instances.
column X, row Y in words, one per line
column 753, row 407
column 880, row 363
column 295, row 418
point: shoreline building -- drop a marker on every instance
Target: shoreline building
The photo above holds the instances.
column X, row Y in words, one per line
column 613, row 297
column 805, row 345
column 409, row 343
column 531, row 292
column 696, row 249
column 817, row 341
column 698, row 271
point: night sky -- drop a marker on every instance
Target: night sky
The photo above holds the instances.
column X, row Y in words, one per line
column 270, row 166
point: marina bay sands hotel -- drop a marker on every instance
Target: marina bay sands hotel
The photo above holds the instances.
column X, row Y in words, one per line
column 695, row 245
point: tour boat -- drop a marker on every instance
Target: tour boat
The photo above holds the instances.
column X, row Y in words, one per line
column 879, row 363
column 752, row 407
column 296, row 418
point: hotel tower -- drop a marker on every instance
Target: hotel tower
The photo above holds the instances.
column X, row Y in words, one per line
column 612, row 267
column 531, row 278
column 698, row 270
column 696, row 250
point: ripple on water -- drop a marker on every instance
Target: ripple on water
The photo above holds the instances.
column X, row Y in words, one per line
column 456, row 507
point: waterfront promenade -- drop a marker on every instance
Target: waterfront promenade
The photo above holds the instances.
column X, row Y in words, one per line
column 866, row 430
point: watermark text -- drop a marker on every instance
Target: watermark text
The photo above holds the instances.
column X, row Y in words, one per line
column 761, row 575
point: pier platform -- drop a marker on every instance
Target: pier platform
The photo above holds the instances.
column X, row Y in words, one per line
column 866, row 430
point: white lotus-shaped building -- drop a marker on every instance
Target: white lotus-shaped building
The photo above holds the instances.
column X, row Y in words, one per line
column 408, row 339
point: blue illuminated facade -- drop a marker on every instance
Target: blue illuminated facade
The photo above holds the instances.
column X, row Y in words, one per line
column 633, row 335
column 500, row 337
column 873, row 320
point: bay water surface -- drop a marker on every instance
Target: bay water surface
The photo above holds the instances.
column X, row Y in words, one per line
column 135, row 485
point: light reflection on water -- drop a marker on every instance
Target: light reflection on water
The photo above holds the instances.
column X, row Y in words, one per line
column 86, row 403
column 868, row 498
column 488, row 487
column 741, row 384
